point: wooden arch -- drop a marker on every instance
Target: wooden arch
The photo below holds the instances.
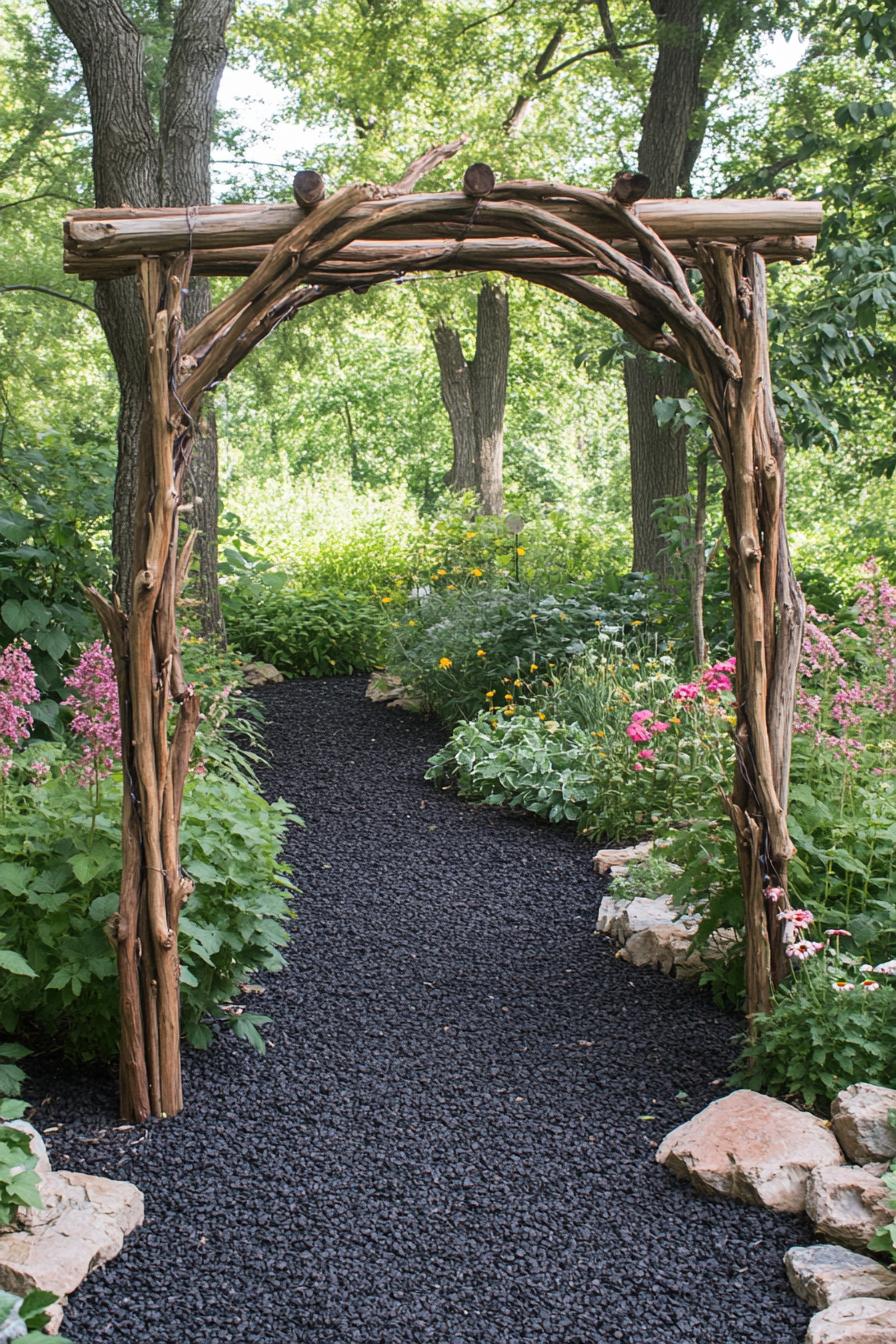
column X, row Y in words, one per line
column 619, row 255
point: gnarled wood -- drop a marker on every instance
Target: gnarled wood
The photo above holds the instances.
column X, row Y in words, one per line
column 548, row 233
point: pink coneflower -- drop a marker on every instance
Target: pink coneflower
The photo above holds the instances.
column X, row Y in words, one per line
column 842, row 985
column 837, row 933
column 800, row 919
column 804, row 949
column 870, row 985
column 886, row 968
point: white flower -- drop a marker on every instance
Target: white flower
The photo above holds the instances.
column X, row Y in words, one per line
column 886, row 967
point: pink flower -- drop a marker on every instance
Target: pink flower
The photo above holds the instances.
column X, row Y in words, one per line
column 774, row 893
column 95, row 720
column 886, row 968
column 18, row 689
column 642, row 715
column 637, row 766
column 715, row 681
column 659, row 727
column 638, row 732
column 870, row 985
column 39, row 770
column 837, row 933
column 842, row 985
column 687, row 691
column 800, row 919
column 804, row 949
column 647, row 755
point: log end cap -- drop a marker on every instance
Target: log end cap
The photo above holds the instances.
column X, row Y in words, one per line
column 308, row 188
column 479, row 180
column 629, row 187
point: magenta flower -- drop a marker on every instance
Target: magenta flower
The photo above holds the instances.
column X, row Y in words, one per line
column 715, row 680
column 647, row 755
column 638, row 732
column 837, row 933
column 642, row 715
column 774, row 894
column 18, row 689
column 659, row 727
column 95, row 720
column 687, row 691
column 636, row 765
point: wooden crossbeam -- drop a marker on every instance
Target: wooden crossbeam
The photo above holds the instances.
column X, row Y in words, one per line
column 231, row 239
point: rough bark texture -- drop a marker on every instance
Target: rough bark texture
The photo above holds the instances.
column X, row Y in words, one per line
column 666, row 154
column 139, row 164
column 475, row 397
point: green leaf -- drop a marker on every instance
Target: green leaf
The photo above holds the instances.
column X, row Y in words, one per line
column 14, row 963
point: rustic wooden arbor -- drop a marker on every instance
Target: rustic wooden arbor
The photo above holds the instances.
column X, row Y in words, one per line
column 566, row 238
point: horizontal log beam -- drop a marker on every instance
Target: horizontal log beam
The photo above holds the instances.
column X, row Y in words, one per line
column 128, row 234
column 442, row 252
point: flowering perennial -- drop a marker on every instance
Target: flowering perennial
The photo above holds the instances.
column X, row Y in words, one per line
column 95, row 720
column 18, row 689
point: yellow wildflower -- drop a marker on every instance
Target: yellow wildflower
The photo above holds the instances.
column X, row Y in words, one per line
column 517, row 681
column 521, row 550
column 441, row 573
column 385, row 599
column 636, row 666
column 510, row 710
column 445, row 662
column 412, row 622
column 489, row 695
column 480, row 653
column 477, row 573
column 731, row 718
column 468, row 536
column 533, row 667
column 637, row 622
column 541, row 716
column 508, row 696
column 675, row 719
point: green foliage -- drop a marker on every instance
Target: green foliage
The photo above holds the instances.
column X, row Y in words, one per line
column 19, row 1186
column 819, row 1040
column 320, row 632
column 524, row 761
column 30, row 1311
column 59, row 876
column 483, row 646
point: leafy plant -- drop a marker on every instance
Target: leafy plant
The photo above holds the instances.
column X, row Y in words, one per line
column 19, row 1186
column 884, row 1241
column 29, row 1312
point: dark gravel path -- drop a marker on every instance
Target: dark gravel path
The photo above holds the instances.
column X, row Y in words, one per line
column 452, row 1136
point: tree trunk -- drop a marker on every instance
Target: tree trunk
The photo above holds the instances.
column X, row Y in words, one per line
column 488, row 378
column 658, row 454
column 474, row 394
column 136, row 163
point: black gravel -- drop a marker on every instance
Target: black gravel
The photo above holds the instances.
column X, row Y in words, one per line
column 452, row 1136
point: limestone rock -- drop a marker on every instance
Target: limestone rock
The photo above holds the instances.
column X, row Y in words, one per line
column 383, row 687
column 823, row 1275
column 616, row 861
column 621, row 918
column 751, row 1147
column 860, row 1116
column 859, row 1320
column 664, row 946
column 847, row 1204
column 261, row 674
column 83, row 1223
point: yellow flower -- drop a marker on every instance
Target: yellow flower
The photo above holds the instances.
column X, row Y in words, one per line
column 597, row 622
column 468, row 536
column 385, row 599
column 493, row 722
column 521, row 550
column 412, row 622
column 533, row 667
column 533, row 616
column 510, row 710
column 445, row 662
column 480, row 653
column 451, row 587
column 508, row 696
column 477, row 573
column 541, row 716
column 441, row 573
column 601, row 733
column 517, row 682
column 731, row 718
column 674, row 719
column 637, row 622
column 636, row 666
column 489, row 695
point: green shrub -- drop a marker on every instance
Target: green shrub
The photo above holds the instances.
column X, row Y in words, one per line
column 525, row 761
column 319, row 633
column 480, row 646
column 59, row 876
column 820, row 1038
column 29, row 1312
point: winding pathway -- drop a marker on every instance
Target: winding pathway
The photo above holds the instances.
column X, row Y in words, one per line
column 451, row 1138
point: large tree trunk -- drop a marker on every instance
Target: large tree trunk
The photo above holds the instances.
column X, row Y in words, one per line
column 141, row 165
column 475, row 396
column 666, row 154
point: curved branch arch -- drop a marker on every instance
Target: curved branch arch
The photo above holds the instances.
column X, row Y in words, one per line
column 610, row 251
